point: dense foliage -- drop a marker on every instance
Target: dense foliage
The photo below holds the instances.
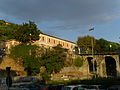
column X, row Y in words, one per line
column 54, row 59
column 26, row 54
column 78, row 61
column 23, row 33
column 86, row 43
column 7, row 30
column 107, row 46
column 27, row 32
column 100, row 45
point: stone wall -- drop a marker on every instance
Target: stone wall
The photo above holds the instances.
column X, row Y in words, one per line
column 101, row 64
column 9, row 62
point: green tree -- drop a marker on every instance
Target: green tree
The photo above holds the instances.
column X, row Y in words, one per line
column 85, row 43
column 78, row 61
column 104, row 44
column 7, row 30
column 54, row 59
column 2, row 22
column 26, row 54
column 27, row 32
column 107, row 46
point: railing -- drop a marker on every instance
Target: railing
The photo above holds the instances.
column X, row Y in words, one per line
column 102, row 53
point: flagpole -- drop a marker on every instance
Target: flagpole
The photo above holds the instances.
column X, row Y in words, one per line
column 91, row 29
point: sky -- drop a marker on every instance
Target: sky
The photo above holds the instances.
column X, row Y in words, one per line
column 67, row 19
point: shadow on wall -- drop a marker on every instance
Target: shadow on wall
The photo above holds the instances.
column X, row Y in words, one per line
column 110, row 66
column 90, row 62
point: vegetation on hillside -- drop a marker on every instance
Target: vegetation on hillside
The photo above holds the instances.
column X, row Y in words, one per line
column 106, row 46
column 54, row 59
column 30, row 57
column 26, row 56
column 7, row 30
column 23, row 33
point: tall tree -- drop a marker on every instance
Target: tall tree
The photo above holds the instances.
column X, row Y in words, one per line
column 54, row 59
column 85, row 43
column 27, row 32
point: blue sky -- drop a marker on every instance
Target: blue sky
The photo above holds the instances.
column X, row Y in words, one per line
column 67, row 19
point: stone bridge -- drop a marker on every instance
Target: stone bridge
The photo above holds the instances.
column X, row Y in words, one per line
column 104, row 65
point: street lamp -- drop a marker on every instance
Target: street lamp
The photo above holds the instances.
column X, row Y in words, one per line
column 30, row 37
column 110, row 47
column 30, row 44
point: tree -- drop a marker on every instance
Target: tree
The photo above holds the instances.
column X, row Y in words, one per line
column 27, row 32
column 23, row 33
column 107, row 46
column 2, row 22
column 104, row 44
column 78, row 62
column 54, row 59
column 26, row 54
column 7, row 30
column 85, row 43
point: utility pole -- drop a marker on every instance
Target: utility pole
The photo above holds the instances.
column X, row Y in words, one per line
column 92, row 44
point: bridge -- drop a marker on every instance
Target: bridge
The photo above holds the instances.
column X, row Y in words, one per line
column 102, row 64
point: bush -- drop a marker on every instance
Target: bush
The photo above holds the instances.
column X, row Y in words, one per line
column 78, row 61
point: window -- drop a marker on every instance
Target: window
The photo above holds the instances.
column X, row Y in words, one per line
column 49, row 39
column 43, row 38
column 59, row 42
column 67, row 45
column 54, row 41
column 63, row 43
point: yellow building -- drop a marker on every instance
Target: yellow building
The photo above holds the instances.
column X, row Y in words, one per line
column 51, row 41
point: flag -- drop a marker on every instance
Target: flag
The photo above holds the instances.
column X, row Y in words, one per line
column 91, row 29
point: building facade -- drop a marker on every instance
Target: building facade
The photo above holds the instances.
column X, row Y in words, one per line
column 51, row 41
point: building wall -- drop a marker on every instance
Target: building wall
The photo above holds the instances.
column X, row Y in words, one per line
column 10, row 44
column 50, row 41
